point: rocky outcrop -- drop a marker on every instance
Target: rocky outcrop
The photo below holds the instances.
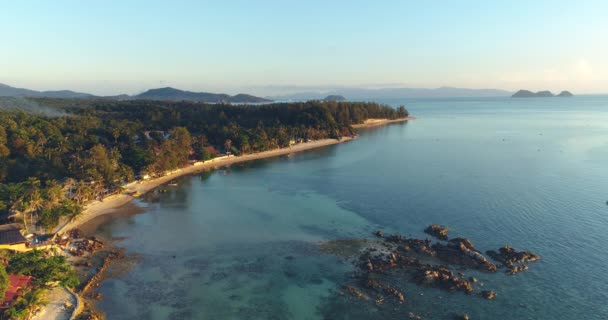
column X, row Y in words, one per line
column 512, row 259
column 355, row 292
column 488, row 294
column 386, row 261
column 438, row 231
column 442, row 277
column 461, row 251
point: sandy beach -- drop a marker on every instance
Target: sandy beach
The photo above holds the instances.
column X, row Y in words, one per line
column 111, row 203
column 380, row 122
column 137, row 188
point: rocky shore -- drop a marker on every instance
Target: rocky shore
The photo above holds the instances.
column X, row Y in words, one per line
column 385, row 262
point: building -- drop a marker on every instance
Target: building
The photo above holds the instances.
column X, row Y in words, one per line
column 11, row 238
column 211, row 150
column 16, row 284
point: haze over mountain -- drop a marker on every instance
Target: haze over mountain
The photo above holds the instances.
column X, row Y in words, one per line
column 152, row 94
column 169, row 93
column 395, row 93
column 8, row 91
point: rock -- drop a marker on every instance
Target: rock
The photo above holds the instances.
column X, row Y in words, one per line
column 461, row 251
column 516, row 269
column 509, row 257
column 379, row 233
column 355, row 292
column 488, row 294
column 458, row 243
column 396, row 293
column 443, row 278
column 438, row 231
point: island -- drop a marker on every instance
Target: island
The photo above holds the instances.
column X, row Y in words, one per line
column 539, row 94
column 334, row 98
column 565, row 94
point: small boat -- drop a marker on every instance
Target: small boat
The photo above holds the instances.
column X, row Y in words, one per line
column 173, row 184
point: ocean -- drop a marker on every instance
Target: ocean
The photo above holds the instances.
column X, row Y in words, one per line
column 247, row 242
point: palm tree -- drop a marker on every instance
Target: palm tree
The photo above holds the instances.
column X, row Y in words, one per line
column 34, row 203
column 84, row 192
column 54, row 193
column 32, row 182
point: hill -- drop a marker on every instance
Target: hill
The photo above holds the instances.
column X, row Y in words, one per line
column 8, row 91
column 173, row 94
column 334, row 98
column 163, row 94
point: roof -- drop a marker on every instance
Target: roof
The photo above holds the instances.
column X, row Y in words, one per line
column 10, row 226
column 210, row 149
column 15, row 282
column 11, row 236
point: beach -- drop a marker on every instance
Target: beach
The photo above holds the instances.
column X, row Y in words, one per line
column 380, row 122
column 137, row 188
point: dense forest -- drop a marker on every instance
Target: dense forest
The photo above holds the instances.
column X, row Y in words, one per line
column 76, row 150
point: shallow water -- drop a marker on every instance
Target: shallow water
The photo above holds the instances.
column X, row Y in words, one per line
column 243, row 243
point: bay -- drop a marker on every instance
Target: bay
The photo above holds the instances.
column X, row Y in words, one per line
column 244, row 242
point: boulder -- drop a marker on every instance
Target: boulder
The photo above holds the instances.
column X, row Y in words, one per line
column 488, row 294
column 438, row 231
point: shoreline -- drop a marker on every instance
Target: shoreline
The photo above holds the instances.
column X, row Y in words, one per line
column 372, row 122
column 114, row 203
column 137, row 188
column 140, row 187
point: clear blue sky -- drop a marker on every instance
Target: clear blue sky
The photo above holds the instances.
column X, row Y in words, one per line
column 110, row 47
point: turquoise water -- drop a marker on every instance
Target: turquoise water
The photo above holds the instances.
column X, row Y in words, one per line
column 243, row 243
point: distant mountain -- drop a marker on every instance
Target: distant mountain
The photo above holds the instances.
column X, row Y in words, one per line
column 396, row 93
column 152, row 94
column 8, row 91
column 334, row 98
column 169, row 93
column 539, row 94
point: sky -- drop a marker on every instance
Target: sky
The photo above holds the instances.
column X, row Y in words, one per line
column 271, row 47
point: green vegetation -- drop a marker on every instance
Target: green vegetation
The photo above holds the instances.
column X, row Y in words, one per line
column 53, row 163
column 3, row 280
column 26, row 304
column 46, row 270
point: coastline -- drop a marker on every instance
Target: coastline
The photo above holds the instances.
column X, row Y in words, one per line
column 372, row 122
column 137, row 188
column 112, row 204
column 134, row 189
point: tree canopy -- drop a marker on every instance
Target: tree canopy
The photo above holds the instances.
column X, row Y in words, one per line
column 50, row 166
